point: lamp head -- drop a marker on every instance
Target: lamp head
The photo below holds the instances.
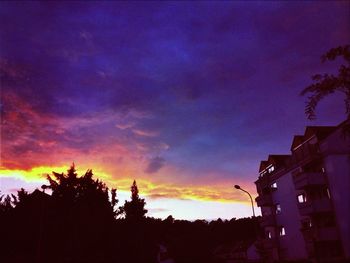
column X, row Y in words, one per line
column 237, row 186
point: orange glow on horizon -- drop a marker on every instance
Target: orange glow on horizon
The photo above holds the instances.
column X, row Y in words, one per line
column 116, row 162
column 151, row 189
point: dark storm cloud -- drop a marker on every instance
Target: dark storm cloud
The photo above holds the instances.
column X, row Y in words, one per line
column 155, row 164
column 218, row 82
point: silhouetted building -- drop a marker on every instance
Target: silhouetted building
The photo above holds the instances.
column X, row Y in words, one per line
column 304, row 198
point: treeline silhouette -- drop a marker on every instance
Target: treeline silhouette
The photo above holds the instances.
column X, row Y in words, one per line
column 79, row 222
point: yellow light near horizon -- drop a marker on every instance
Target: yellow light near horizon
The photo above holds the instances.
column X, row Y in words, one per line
column 148, row 188
column 39, row 173
column 32, row 175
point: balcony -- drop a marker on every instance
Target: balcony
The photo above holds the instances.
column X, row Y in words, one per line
column 320, row 234
column 269, row 243
column 268, row 220
column 305, row 153
column 310, row 248
column 315, row 206
column 302, row 180
column 263, row 181
column 264, row 200
column 327, row 234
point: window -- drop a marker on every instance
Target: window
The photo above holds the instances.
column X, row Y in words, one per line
column 319, row 193
column 282, row 231
column 271, row 169
column 306, row 223
column 278, row 209
column 269, row 234
column 274, row 185
column 263, row 173
column 302, row 198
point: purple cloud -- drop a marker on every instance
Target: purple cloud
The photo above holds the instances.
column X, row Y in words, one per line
column 155, row 164
column 216, row 84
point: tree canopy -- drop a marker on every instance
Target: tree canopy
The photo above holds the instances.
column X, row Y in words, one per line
column 135, row 209
column 74, row 222
column 326, row 84
column 69, row 190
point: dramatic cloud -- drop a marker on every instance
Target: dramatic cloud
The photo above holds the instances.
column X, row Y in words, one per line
column 154, row 165
column 187, row 98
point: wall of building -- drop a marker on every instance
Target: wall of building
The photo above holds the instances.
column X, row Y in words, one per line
column 292, row 244
column 337, row 164
column 334, row 163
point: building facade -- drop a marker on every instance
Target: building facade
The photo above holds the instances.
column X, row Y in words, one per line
column 304, row 198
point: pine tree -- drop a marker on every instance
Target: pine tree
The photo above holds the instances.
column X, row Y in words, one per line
column 135, row 209
column 81, row 193
column 6, row 204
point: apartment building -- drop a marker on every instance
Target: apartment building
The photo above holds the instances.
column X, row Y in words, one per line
column 305, row 198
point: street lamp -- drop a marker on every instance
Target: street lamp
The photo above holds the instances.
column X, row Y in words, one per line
column 251, row 199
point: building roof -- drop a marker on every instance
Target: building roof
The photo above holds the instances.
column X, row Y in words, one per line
column 297, row 140
column 263, row 165
column 320, row 132
column 277, row 159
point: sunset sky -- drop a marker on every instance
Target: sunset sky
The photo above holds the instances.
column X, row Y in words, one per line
column 185, row 97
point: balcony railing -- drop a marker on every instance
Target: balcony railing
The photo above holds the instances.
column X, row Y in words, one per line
column 304, row 179
column 320, row 234
column 269, row 243
column 268, row 220
column 263, row 181
column 305, row 152
column 315, row 206
column 310, row 248
column 264, row 200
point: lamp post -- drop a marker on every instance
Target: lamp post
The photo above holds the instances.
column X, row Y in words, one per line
column 251, row 199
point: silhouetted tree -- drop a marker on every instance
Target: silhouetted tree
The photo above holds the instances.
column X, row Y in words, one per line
column 169, row 220
column 22, row 197
column 82, row 216
column 76, row 224
column 326, row 84
column 114, row 200
column 134, row 209
column 5, row 203
column 71, row 190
